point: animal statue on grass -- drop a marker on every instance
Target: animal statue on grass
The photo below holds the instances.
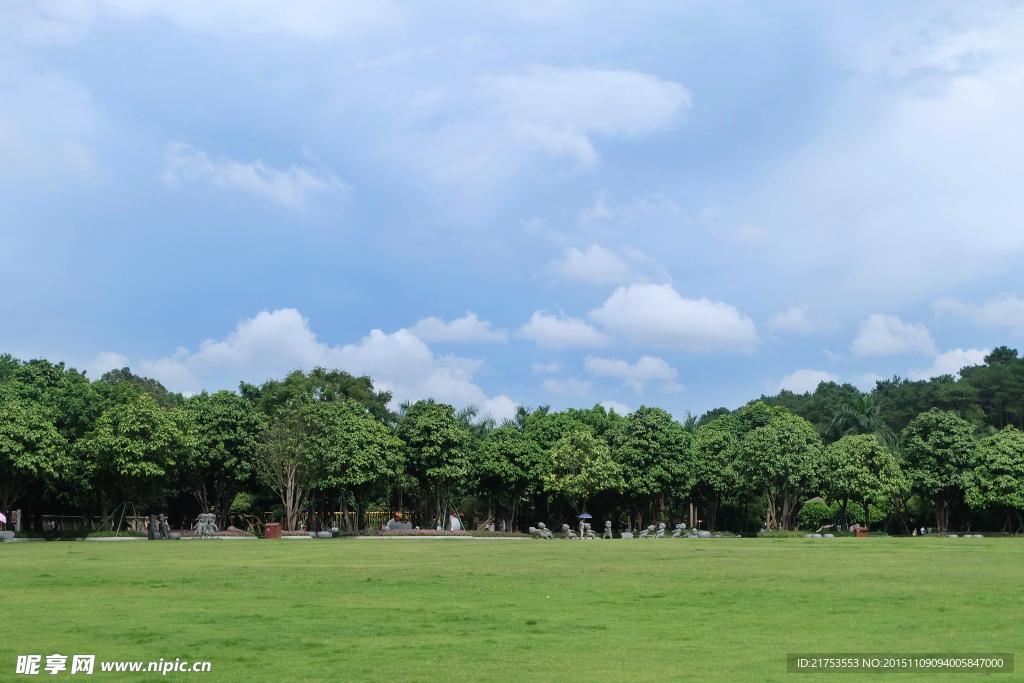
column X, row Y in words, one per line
column 540, row 531
column 570, row 535
column 607, row 530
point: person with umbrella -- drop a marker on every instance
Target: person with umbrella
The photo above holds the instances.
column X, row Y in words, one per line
column 583, row 521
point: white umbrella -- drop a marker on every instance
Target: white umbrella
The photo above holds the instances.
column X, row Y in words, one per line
column 3, row 518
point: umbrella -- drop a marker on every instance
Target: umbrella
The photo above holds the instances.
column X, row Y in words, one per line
column 3, row 518
column 585, row 516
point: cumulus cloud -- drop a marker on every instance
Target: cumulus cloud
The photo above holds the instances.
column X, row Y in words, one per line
column 274, row 343
column 500, row 408
column 568, row 387
column 466, row 329
column 949, row 363
column 291, row 187
column 104, row 362
column 596, row 264
column 1003, row 311
column 561, row 332
column 805, row 380
column 658, row 314
column 886, row 335
column 547, row 368
column 560, row 109
column 793, row 320
column 619, row 408
column 637, row 375
column 866, row 382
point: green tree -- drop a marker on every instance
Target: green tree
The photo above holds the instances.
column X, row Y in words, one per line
column 438, row 449
column 779, row 454
column 579, row 466
column 31, row 450
column 861, row 467
column 652, row 451
column 282, row 463
column 861, row 415
column 226, row 432
column 505, row 469
column 938, row 449
column 713, row 469
column 997, row 480
column 134, row 446
column 154, row 388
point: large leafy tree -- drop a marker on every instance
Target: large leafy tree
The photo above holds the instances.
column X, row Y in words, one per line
column 226, row 432
column 134, row 446
column 997, row 480
column 351, row 451
column 779, row 454
column 438, row 450
column 579, row 466
column 282, row 462
column 320, row 384
column 506, row 468
column 31, row 449
column 713, row 466
column 861, row 467
column 938, row 448
column 652, row 451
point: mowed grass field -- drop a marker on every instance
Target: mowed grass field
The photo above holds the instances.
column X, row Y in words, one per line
column 391, row 611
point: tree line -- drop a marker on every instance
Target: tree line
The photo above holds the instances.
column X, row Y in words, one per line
column 947, row 452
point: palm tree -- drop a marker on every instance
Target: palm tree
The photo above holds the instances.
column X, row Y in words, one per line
column 862, row 415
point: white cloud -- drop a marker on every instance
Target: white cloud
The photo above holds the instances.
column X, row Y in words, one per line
column 619, row 408
column 949, row 363
column 805, row 380
column 793, row 320
column 657, row 314
column 560, row 109
column 561, row 332
column 1003, row 311
column 547, row 368
column 636, row 376
column 500, row 408
column 105, row 361
column 273, row 344
column 886, row 335
column 290, row 187
column 466, row 329
column 311, row 19
column 866, row 382
column 568, row 387
column 596, row 264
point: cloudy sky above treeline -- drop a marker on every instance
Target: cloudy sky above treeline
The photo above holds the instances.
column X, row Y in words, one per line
column 682, row 204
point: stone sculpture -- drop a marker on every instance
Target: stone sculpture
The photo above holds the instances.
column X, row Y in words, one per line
column 627, row 534
column 679, row 530
column 165, row 530
column 607, row 530
column 661, row 531
column 588, row 532
column 206, row 527
column 540, row 531
column 151, row 529
column 570, row 535
column 646, row 532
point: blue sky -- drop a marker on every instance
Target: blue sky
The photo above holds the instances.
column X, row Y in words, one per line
column 673, row 204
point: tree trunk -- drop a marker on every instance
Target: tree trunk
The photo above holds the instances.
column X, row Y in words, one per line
column 941, row 517
column 846, row 524
column 867, row 515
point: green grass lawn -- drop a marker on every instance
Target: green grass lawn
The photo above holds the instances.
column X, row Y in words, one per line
column 495, row 610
